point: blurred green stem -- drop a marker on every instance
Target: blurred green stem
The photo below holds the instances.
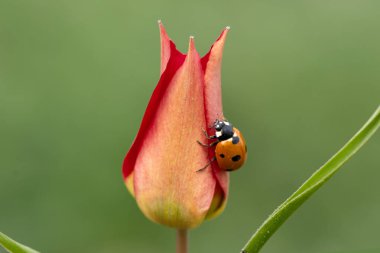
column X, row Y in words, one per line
column 14, row 247
column 181, row 241
column 322, row 175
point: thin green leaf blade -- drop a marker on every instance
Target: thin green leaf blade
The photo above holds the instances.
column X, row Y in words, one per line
column 14, row 247
column 311, row 185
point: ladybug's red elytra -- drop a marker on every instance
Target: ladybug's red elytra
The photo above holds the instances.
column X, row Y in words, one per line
column 230, row 150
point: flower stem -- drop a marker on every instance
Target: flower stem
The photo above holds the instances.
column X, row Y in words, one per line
column 181, row 241
column 311, row 185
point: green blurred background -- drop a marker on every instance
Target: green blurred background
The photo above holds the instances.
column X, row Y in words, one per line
column 299, row 78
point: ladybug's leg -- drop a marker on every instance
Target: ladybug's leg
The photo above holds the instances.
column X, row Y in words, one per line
column 208, row 145
column 208, row 136
column 208, row 164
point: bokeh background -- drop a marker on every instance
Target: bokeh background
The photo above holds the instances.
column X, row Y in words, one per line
column 299, row 78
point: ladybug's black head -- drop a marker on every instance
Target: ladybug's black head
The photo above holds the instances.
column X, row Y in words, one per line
column 223, row 130
column 218, row 125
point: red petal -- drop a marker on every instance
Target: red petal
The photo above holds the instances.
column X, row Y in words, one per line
column 165, row 46
column 212, row 65
column 176, row 60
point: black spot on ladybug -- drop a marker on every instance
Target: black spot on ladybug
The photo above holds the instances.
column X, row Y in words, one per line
column 221, row 155
column 236, row 158
column 235, row 140
column 229, row 169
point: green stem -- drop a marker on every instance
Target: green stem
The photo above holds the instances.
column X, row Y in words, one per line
column 322, row 175
column 181, row 241
column 14, row 247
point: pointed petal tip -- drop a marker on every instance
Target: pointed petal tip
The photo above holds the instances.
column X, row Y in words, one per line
column 160, row 24
column 191, row 43
column 224, row 32
column 161, row 27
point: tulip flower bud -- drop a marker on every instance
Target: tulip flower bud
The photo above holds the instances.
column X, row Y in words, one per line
column 160, row 169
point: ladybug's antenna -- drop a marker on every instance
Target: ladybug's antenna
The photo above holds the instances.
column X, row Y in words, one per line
column 213, row 124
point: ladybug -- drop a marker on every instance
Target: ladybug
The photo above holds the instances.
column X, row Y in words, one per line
column 230, row 146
